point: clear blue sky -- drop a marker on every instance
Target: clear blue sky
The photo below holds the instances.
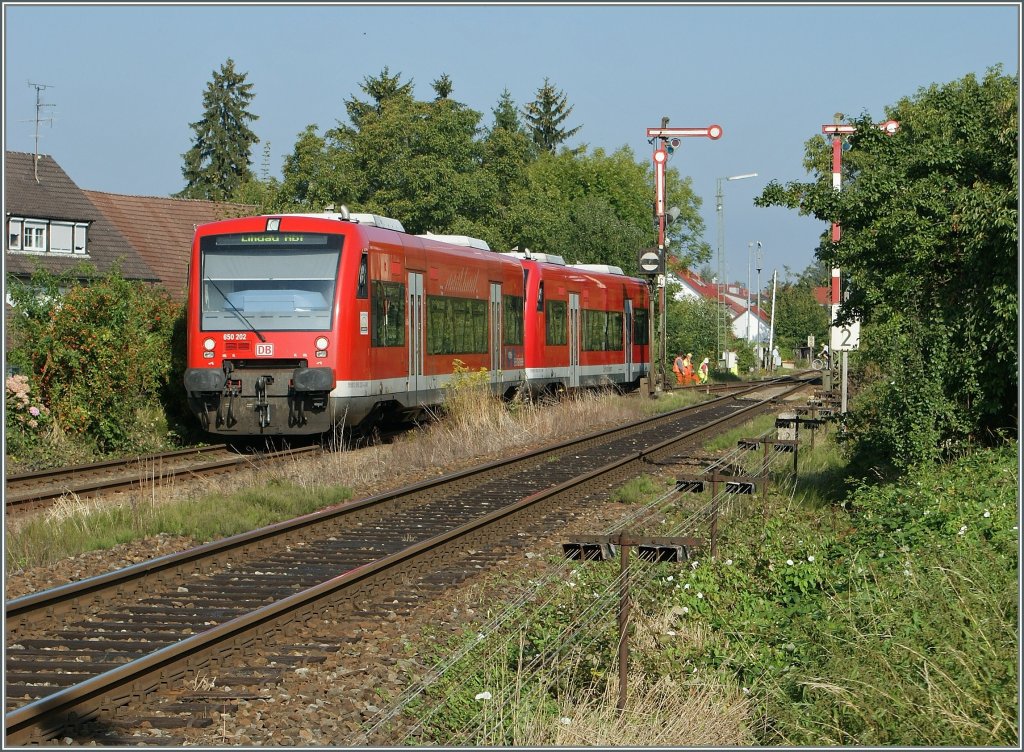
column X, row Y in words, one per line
column 127, row 81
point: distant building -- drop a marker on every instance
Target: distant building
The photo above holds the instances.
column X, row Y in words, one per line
column 745, row 325
column 51, row 224
column 54, row 224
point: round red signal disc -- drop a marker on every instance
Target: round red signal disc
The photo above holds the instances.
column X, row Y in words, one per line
column 714, row 131
column 660, row 156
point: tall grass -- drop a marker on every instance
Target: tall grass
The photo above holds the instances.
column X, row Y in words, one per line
column 473, row 425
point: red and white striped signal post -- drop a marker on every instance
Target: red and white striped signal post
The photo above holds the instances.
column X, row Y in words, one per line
column 837, row 130
column 666, row 140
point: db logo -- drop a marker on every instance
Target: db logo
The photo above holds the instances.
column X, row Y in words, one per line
column 265, row 349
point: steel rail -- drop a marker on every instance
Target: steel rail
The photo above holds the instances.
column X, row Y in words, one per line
column 51, row 714
column 16, row 501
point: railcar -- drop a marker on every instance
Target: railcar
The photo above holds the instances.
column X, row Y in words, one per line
column 300, row 323
column 586, row 325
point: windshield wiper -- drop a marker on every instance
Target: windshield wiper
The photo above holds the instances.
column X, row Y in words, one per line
column 234, row 310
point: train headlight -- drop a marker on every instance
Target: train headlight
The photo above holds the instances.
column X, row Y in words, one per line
column 208, row 343
column 321, row 343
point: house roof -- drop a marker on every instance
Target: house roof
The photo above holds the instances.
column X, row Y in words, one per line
column 55, row 196
column 823, row 296
column 709, row 291
column 161, row 229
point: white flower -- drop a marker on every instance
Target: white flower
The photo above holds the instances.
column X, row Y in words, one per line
column 570, row 584
column 728, row 562
column 670, row 578
column 986, row 514
column 963, row 530
column 746, row 691
column 906, row 572
column 686, row 586
column 483, row 696
column 686, row 609
column 810, row 558
column 789, row 562
column 700, row 595
column 565, row 721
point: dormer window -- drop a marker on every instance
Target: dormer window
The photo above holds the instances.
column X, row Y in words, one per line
column 46, row 236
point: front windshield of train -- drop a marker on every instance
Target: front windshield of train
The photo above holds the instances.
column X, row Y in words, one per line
column 268, row 281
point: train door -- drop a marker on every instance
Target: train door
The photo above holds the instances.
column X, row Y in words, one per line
column 496, row 333
column 574, row 339
column 627, row 326
column 416, row 380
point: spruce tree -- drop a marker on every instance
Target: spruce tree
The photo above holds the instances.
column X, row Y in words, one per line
column 219, row 160
column 545, row 115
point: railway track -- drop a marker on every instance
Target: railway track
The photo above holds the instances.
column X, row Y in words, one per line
column 85, row 651
column 33, row 491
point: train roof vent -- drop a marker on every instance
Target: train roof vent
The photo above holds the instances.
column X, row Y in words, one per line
column 458, row 240
column 605, row 268
column 377, row 221
column 327, row 213
column 545, row 258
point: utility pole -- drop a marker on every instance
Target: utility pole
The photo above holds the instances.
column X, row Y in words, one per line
column 666, row 140
column 39, row 108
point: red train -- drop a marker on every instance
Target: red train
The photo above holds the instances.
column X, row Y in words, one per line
column 299, row 323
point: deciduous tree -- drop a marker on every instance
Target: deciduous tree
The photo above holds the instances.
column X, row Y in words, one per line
column 929, row 250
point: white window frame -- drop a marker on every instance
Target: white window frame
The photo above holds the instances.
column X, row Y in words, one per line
column 15, row 227
column 36, row 235
column 80, row 239
column 63, row 233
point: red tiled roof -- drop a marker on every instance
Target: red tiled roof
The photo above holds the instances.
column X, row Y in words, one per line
column 161, row 229
column 823, row 295
column 55, row 196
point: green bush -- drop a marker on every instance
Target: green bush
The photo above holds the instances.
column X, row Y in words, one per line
column 99, row 353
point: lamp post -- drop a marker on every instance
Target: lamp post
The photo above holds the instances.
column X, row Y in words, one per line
column 723, row 338
column 760, row 355
column 750, row 253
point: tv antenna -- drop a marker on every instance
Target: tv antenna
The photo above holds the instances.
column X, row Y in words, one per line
column 39, row 119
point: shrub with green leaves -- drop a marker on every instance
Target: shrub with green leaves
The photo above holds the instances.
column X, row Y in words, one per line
column 99, row 352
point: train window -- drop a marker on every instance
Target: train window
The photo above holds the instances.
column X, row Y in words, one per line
column 640, row 330
column 513, row 325
column 271, row 285
column 361, row 288
column 556, row 328
column 602, row 330
column 540, row 296
column 594, row 325
column 613, row 339
column 456, row 325
column 387, row 314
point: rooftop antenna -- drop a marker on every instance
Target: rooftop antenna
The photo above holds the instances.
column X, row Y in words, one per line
column 39, row 108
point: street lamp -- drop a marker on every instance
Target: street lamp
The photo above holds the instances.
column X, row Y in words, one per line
column 750, row 253
column 723, row 337
column 760, row 355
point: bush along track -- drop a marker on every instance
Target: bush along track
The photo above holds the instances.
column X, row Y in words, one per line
column 888, row 619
